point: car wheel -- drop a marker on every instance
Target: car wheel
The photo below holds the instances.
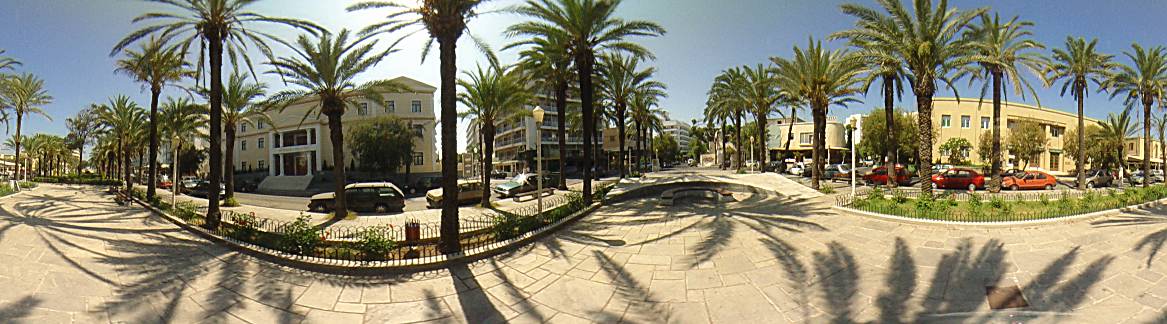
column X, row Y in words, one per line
column 319, row 208
column 935, row 186
column 413, row 191
column 972, row 187
column 1014, row 188
column 1049, row 187
column 381, row 208
column 1090, row 185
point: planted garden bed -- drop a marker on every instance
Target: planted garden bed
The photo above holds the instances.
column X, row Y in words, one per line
column 999, row 207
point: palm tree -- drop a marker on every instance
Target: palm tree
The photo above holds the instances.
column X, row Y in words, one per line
column 23, row 95
column 215, row 27
column 546, row 60
column 761, row 96
column 646, row 118
column 325, row 71
column 491, row 95
column 621, row 81
column 1115, row 130
column 1143, row 83
column 180, row 120
column 1078, row 64
column 155, row 65
column 728, row 100
column 588, row 26
column 998, row 48
column 719, row 107
column 241, row 106
column 883, row 66
column 124, row 119
column 927, row 40
column 82, row 127
column 7, row 62
column 821, row 78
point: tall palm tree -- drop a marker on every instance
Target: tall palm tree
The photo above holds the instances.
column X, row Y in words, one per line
column 882, row 66
column 325, row 71
column 124, row 119
column 215, row 27
column 445, row 20
column 761, row 97
column 23, row 95
column 621, row 81
column 490, row 95
column 546, row 61
column 1143, row 83
column 822, row 78
column 589, row 26
column 155, row 65
column 998, row 49
column 180, row 120
column 727, row 97
column 7, row 62
column 82, row 127
column 719, row 107
column 1115, row 130
column 242, row 105
column 647, row 118
column 927, row 40
column 1078, row 64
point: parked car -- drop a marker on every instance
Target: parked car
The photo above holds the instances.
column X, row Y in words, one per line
column 846, row 175
column 202, row 189
column 379, row 197
column 422, row 185
column 521, row 183
column 796, row 169
column 187, row 183
column 1012, row 172
column 958, row 178
column 831, row 170
column 498, row 175
column 1096, row 178
column 246, row 185
column 165, row 184
column 469, row 191
column 938, row 168
column 1137, row 176
column 878, row 176
column 1030, row 180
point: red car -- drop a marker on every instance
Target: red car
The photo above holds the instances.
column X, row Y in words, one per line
column 1030, row 180
column 163, row 184
column 878, row 176
column 958, row 178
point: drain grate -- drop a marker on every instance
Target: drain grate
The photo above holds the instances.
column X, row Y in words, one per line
column 1002, row 297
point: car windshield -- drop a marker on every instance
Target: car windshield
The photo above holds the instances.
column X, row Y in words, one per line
column 522, row 178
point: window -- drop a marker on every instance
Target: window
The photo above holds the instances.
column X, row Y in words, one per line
column 242, row 128
column 259, row 125
column 985, row 122
column 243, row 145
column 259, row 143
column 418, row 130
column 1010, row 124
column 945, row 121
column 243, row 165
column 1055, row 161
column 1056, row 131
column 261, row 165
column 416, row 106
column 363, row 109
column 965, row 121
column 390, row 106
column 418, row 159
column 804, row 138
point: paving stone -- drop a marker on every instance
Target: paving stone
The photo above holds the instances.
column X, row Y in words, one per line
column 575, row 296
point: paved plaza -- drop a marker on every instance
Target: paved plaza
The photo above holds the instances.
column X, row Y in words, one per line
column 71, row 255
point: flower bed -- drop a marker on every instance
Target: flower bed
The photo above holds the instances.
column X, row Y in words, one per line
column 73, row 179
column 1000, row 207
column 377, row 243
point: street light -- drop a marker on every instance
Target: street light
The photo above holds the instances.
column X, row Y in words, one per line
column 538, row 114
column 853, row 127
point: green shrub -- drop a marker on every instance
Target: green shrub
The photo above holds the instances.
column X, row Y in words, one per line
column 1064, row 203
column 375, row 243
column 827, row 189
column 998, row 203
column 1043, row 199
column 185, row 210
column 974, row 200
column 506, row 225
column 898, row 196
column 875, row 194
column 300, row 237
column 230, row 202
column 246, row 225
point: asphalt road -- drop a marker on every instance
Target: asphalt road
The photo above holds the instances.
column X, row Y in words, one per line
column 301, row 203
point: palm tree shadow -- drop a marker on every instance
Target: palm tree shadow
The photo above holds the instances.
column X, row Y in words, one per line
column 900, row 282
column 642, row 302
column 16, row 310
column 1153, row 215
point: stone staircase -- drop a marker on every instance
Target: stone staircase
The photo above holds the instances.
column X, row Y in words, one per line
column 286, row 185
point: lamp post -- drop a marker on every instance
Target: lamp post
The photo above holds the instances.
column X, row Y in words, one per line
column 538, row 114
column 853, row 127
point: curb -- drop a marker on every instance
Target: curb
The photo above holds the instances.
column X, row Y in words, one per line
column 1000, row 224
column 373, row 268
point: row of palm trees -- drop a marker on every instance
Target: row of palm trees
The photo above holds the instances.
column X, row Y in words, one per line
column 928, row 46
column 192, row 38
column 21, row 95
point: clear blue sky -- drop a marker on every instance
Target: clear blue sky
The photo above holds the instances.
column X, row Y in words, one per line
column 67, row 42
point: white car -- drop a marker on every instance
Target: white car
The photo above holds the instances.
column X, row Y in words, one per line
column 796, row 169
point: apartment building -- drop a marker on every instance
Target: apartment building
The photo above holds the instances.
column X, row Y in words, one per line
column 515, row 142
column 296, row 147
column 679, row 130
column 802, row 142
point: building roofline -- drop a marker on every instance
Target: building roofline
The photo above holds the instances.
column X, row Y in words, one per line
column 1015, row 104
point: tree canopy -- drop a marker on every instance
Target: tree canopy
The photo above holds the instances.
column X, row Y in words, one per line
column 1027, row 139
column 382, row 144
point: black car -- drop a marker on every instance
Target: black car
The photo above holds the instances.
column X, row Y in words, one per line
column 379, row 197
column 422, row 185
column 246, row 186
column 201, row 189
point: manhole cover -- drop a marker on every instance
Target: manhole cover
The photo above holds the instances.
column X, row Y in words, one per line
column 1005, row 297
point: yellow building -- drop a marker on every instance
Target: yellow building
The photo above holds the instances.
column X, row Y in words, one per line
column 971, row 117
column 295, row 148
column 836, row 138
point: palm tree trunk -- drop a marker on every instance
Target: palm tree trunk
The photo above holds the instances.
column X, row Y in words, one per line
column 19, row 120
column 229, row 162
column 561, row 129
column 152, row 177
column 790, row 132
column 761, row 119
column 80, row 157
column 621, row 125
column 336, row 136
column 995, row 159
column 818, row 116
column 487, row 163
column 889, row 116
column 1081, row 158
column 215, row 44
column 738, row 140
column 447, row 43
column 1147, row 140
column 924, row 159
column 584, row 61
column 174, row 170
column 724, row 158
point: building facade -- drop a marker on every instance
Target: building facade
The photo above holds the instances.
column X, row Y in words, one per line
column 679, row 131
column 801, row 144
column 297, row 144
column 515, row 142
